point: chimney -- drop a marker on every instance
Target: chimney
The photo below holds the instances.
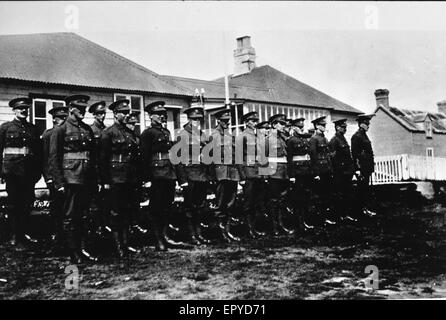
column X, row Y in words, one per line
column 382, row 97
column 244, row 56
column 442, row 107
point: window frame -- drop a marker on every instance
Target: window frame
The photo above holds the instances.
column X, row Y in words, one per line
column 48, row 106
column 141, row 124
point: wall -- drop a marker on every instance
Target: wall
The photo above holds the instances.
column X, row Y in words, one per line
column 388, row 136
column 438, row 142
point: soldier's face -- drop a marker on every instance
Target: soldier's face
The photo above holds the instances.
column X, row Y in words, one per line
column 341, row 129
column 100, row 116
column 59, row 120
column 279, row 126
column 21, row 113
column 195, row 122
column 251, row 123
column 156, row 119
column 365, row 126
column 321, row 127
column 120, row 115
column 224, row 123
column 78, row 113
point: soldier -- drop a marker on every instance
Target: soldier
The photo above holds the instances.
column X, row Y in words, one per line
column 135, row 218
column 59, row 115
column 193, row 174
column 298, row 149
column 72, row 162
column 287, row 128
column 321, row 168
column 278, row 180
column 119, row 173
column 342, row 162
column 248, row 148
column 21, row 168
column 263, row 128
column 99, row 198
column 363, row 160
column 225, row 173
column 158, row 171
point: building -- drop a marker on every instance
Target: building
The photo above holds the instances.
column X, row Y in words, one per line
column 402, row 131
column 49, row 67
column 408, row 144
column 267, row 91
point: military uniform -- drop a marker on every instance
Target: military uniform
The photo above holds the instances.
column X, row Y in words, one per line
column 342, row 163
column 118, row 166
column 252, row 158
column 195, row 172
column 157, row 168
column 321, row 167
column 363, row 160
column 72, row 161
column 298, row 154
column 56, row 198
column 225, row 173
column 100, row 198
column 21, row 166
column 278, row 179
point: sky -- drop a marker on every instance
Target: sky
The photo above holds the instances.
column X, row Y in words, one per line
column 345, row 49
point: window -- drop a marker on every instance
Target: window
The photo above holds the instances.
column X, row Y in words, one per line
column 428, row 128
column 136, row 104
column 430, row 152
column 39, row 113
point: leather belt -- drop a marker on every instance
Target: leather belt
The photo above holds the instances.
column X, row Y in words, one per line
column 160, row 156
column 301, row 158
column 120, row 158
column 77, row 155
column 15, row 150
column 277, row 160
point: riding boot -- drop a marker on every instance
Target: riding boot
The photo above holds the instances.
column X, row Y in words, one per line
column 197, row 225
column 221, row 222
column 250, row 219
column 125, row 242
column 281, row 224
column 192, row 233
column 118, row 244
column 75, row 256
column 274, row 212
column 158, row 234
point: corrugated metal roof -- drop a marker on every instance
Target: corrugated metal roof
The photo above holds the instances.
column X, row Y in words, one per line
column 67, row 58
column 282, row 88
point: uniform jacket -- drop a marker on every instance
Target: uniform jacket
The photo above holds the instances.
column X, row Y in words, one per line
column 192, row 169
column 119, row 155
column 46, row 137
column 97, row 128
column 251, row 154
column 320, row 155
column 298, row 145
column 221, row 169
column 72, row 153
column 277, row 149
column 155, row 147
column 18, row 134
column 341, row 157
column 362, row 152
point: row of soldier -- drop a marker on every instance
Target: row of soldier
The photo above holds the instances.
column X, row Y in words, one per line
column 81, row 163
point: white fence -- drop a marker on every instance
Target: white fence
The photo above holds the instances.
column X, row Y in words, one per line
column 404, row 167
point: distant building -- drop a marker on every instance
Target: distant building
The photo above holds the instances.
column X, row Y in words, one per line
column 402, row 131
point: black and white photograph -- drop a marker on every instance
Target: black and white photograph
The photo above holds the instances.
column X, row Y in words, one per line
column 242, row 151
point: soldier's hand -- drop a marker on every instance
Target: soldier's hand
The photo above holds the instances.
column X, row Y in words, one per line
column 106, row 186
column 184, row 185
column 2, row 180
column 317, row 178
column 292, row 180
column 61, row 189
column 357, row 173
column 147, row 184
column 242, row 183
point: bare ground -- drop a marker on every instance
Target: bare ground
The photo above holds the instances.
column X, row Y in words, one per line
column 408, row 246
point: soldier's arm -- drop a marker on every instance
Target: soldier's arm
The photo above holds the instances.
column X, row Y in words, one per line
column 289, row 155
column 56, row 157
column 240, row 144
column 332, row 146
column 105, row 152
column 2, row 145
column 38, row 152
column 313, row 153
column 356, row 150
column 146, row 153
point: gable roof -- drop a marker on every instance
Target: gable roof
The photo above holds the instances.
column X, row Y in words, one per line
column 67, row 58
column 413, row 120
column 282, row 88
